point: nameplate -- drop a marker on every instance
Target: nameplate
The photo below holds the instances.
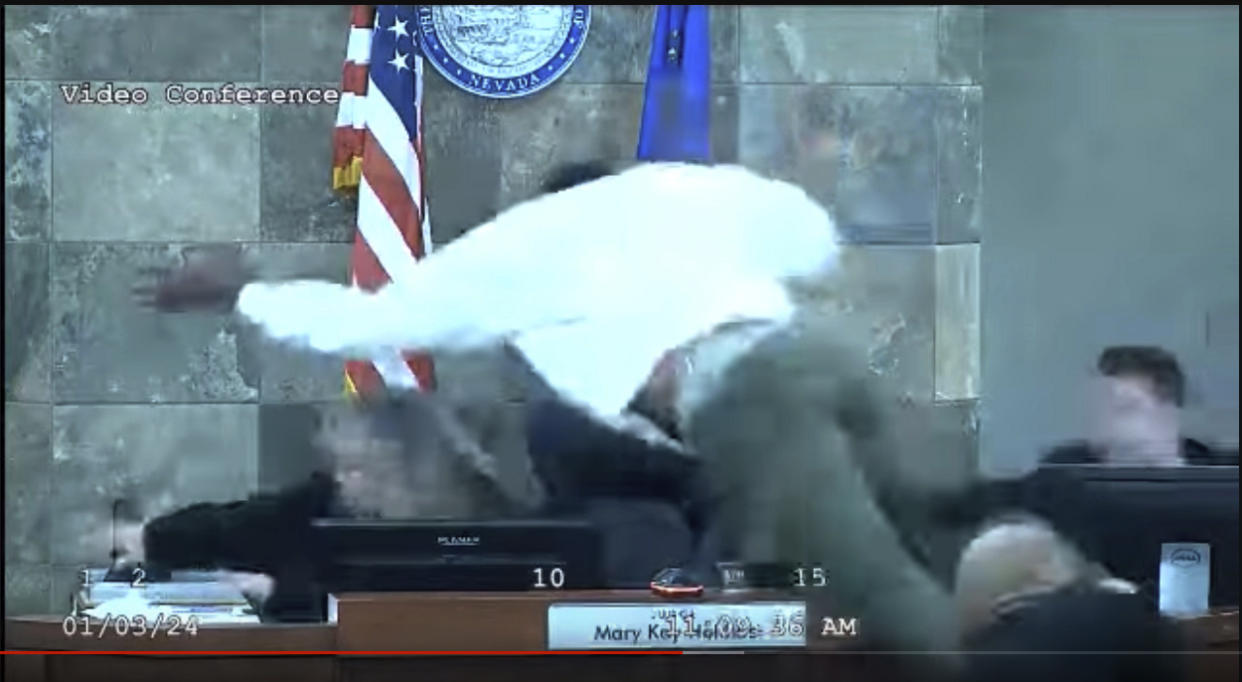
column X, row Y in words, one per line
column 677, row 626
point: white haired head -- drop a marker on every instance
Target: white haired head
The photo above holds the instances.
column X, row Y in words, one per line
column 1019, row 556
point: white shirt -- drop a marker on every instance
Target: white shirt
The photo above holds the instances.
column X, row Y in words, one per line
column 592, row 285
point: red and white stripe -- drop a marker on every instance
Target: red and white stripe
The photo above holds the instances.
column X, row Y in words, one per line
column 393, row 232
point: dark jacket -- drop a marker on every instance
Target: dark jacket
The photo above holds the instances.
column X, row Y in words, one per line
column 579, row 458
column 649, row 501
column 1077, row 634
column 1039, row 491
column 634, row 493
column 1195, row 453
column 269, row 533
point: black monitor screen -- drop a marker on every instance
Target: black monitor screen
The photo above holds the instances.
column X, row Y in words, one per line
column 1122, row 516
column 378, row 556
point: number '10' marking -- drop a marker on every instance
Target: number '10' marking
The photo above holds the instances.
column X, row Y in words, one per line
column 556, row 577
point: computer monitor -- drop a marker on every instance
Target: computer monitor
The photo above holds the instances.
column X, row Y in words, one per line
column 1122, row 516
column 416, row 556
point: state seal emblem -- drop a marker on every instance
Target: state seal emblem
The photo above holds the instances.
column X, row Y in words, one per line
column 502, row 51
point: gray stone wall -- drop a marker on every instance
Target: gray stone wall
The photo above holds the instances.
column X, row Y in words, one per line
column 1112, row 218
column 874, row 110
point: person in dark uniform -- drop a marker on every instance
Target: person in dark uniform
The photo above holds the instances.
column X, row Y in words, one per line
column 1137, row 400
column 1138, row 395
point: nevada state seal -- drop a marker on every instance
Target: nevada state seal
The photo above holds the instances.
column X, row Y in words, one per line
column 502, row 51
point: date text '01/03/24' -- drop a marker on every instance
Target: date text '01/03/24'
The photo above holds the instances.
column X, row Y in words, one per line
column 125, row 626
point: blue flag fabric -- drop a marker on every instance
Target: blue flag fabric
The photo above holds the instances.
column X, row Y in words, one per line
column 676, row 121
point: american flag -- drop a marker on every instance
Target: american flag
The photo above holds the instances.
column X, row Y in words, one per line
column 378, row 152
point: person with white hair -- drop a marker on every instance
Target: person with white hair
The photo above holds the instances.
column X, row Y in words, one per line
column 1017, row 558
column 1033, row 607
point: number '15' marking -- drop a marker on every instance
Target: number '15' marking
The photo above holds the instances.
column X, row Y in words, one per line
column 819, row 578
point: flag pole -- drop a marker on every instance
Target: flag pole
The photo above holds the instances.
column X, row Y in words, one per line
column 349, row 133
column 382, row 81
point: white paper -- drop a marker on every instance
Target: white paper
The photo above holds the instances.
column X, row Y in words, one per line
column 1185, row 578
column 332, row 608
column 183, row 592
column 676, row 626
column 136, row 605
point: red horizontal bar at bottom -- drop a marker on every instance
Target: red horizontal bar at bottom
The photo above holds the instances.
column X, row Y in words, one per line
column 340, row 653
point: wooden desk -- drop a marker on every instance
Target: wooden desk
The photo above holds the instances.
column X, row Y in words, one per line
column 460, row 621
column 1217, row 632
column 168, row 658
column 457, row 622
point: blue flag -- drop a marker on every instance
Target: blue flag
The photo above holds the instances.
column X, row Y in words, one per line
column 676, row 121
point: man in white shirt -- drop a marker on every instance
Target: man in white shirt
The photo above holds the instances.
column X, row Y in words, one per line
column 688, row 322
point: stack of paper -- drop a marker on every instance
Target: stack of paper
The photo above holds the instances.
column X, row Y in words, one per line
column 192, row 594
column 135, row 604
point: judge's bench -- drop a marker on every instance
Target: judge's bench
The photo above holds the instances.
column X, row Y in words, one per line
column 516, row 636
column 745, row 630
